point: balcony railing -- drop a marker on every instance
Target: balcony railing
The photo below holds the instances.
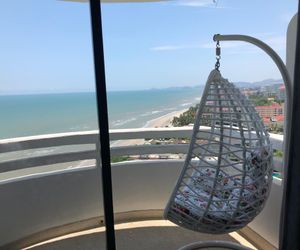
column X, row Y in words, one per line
column 51, row 181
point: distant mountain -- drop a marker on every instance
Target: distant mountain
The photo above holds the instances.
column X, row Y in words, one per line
column 266, row 82
column 185, row 87
column 262, row 83
column 178, row 88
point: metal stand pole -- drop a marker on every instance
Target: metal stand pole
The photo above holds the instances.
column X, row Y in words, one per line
column 105, row 165
column 287, row 239
column 214, row 244
column 286, row 79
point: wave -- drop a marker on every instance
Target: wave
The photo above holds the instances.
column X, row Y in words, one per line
column 186, row 104
column 155, row 112
column 146, row 114
column 169, row 109
column 151, row 113
column 119, row 123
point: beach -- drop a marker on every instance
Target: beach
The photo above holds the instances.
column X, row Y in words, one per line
column 165, row 120
column 160, row 122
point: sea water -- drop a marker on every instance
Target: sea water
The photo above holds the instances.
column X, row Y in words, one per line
column 25, row 115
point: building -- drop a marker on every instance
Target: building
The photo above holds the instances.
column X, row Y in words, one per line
column 270, row 111
column 281, row 93
column 275, row 90
column 249, row 91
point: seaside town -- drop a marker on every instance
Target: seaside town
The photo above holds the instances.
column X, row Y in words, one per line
column 268, row 101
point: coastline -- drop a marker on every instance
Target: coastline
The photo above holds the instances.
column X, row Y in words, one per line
column 165, row 120
column 159, row 122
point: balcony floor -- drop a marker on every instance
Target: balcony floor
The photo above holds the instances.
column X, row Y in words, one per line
column 144, row 235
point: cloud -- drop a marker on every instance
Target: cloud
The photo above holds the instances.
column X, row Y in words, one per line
column 167, row 48
column 212, row 45
column 202, row 4
column 196, row 3
column 208, row 45
column 276, row 42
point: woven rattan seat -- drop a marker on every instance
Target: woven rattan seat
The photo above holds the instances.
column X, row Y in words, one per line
column 227, row 174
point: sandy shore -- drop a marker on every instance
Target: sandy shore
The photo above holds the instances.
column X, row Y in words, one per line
column 160, row 122
column 165, row 120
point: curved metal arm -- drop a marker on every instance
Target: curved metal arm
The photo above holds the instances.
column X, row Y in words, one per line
column 285, row 76
column 214, row 244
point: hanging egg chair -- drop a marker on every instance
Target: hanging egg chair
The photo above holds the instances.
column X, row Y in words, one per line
column 227, row 175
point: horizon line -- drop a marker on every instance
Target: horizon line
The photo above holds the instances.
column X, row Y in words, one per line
column 91, row 91
column 118, row 90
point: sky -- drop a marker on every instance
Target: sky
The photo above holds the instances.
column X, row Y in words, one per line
column 46, row 46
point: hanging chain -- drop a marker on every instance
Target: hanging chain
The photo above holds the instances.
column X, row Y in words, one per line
column 218, row 55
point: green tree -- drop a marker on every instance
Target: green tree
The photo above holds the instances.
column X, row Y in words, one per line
column 260, row 100
column 115, row 159
column 186, row 118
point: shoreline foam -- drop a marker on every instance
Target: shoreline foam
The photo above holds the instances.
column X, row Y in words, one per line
column 159, row 122
column 164, row 120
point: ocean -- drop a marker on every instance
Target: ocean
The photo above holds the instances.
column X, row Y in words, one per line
column 25, row 115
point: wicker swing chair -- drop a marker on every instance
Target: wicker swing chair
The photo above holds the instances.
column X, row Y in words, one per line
column 227, row 174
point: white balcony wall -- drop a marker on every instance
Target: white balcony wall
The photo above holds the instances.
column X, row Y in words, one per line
column 41, row 201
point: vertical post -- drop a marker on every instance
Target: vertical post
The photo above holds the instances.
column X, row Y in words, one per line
column 95, row 10
column 286, row 79
column 290, row 216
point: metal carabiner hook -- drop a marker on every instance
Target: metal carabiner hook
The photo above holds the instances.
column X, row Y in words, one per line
column 218, row 55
